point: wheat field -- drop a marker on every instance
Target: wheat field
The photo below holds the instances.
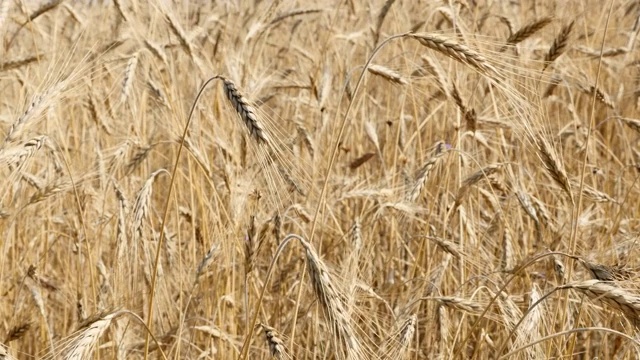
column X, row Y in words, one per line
column 320, row 180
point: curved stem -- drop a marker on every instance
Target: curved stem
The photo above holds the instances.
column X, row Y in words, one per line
column 141, row 321
column 334, row 155
column 504, row 342
column 514, row 272
column 245, row 345
column 343, row 125
column 571, row 331
column 154, row 277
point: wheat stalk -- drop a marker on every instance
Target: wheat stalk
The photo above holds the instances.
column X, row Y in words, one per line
column 443, row 331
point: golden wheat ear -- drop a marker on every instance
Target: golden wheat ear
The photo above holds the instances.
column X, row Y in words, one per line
column 246, row 112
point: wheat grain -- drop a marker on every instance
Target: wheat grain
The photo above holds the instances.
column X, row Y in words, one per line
column 632, row 123
column 604, row 272
column 599, row 94
column 5, row 6
column 593, row 194
column 447, row 246
column 17, row 157
column 39, row 104
column 380, row 19
column 43, row 9
column 206, row 261
column 156, row 50
column 460, row 304
column 525, row 202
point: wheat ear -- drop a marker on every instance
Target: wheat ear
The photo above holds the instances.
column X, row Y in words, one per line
column 388, row 74
column 625, row 301
column 276, row 345
column 333, row 301
column 17, row 332
column 472, row 180
column 527, row 31
column 129, row 76
column 84, row 342
column 458, row 52
column 553, row 165
column 5, row 354
column 141, row 206
column 247, row 112
column 559, row 45
column 14, row 64
column 423, row 173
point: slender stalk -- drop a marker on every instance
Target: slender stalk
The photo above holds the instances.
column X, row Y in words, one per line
column 165, row 216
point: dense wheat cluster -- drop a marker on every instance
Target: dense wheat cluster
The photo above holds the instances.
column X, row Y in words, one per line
column 319, row 180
